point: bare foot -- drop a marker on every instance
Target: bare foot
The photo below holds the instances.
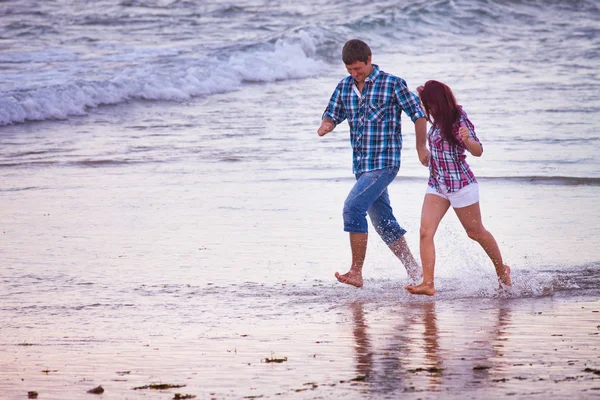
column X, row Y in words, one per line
column 505, row 278
column 350, row 278
column 425, row 288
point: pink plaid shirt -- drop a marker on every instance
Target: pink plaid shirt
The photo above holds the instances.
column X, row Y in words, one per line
column 447, row 164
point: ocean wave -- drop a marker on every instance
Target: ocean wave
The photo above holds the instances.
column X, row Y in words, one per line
column 20, row 189
column 91, row 163
column 177, row 50
column 549, row 180
column 178, row 81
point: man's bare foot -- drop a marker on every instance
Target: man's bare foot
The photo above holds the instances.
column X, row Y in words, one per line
column 505, row 278
column 425, row 288
column 350, row 278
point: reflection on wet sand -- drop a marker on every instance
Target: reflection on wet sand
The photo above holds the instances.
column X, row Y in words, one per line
column 486, row 350
column 412, row 356
column 362, row 346
column 431, row 343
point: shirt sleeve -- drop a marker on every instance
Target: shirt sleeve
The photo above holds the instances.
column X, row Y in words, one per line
column 408, row 101
column 335, row 110
column 465, row 121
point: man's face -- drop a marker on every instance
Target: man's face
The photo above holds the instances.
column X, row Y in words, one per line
column 360, row 70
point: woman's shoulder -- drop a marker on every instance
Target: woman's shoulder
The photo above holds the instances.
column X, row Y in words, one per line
column 464, row 117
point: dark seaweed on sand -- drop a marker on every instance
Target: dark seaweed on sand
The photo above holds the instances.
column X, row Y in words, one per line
column 592, row 370
column 96, row 390
column 158, row 386
column 275, row 360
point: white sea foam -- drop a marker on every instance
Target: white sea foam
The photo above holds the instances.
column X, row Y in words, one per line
column 177, row 80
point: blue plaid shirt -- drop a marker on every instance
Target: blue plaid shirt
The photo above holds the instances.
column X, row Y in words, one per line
column 374, row 118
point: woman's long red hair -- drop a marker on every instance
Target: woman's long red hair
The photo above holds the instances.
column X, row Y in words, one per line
column 440, row 107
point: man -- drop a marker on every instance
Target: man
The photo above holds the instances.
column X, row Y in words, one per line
column 372, row 101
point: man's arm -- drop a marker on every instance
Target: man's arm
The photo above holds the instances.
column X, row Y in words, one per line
column 411, row 105
column 334, row 113
column 421, row 135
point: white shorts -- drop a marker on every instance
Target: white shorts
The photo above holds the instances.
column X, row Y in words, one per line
column 462, row 198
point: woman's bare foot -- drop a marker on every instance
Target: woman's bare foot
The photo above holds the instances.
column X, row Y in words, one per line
column 350, row 278
column 505, row 278
column 425, row 288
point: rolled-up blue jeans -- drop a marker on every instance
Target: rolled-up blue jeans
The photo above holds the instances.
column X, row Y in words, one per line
column 370, row 195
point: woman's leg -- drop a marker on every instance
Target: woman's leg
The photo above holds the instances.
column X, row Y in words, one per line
column 434, row 209
column 470, row 218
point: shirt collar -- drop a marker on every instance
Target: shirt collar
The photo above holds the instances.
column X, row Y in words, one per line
column 374, row 74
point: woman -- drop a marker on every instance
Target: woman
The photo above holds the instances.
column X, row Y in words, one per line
column 451, row 182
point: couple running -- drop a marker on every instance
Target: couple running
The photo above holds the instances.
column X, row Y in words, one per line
column 372, row 101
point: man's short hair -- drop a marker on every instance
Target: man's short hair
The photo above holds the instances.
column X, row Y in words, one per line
column 355, row 50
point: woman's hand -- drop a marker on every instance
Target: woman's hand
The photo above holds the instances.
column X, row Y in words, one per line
column 473, row 146
column 464, row 133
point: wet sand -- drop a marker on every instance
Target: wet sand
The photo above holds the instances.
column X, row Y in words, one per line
column 545, row 347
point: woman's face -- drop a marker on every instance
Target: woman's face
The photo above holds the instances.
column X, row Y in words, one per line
column 432, row 109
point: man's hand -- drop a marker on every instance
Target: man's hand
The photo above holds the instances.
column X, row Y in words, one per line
column 327, row 126
column 423, row 155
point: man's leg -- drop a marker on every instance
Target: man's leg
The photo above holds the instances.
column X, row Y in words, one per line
column 358, row 245
column 402, row 251
column 367, row 188
column 386, row 225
